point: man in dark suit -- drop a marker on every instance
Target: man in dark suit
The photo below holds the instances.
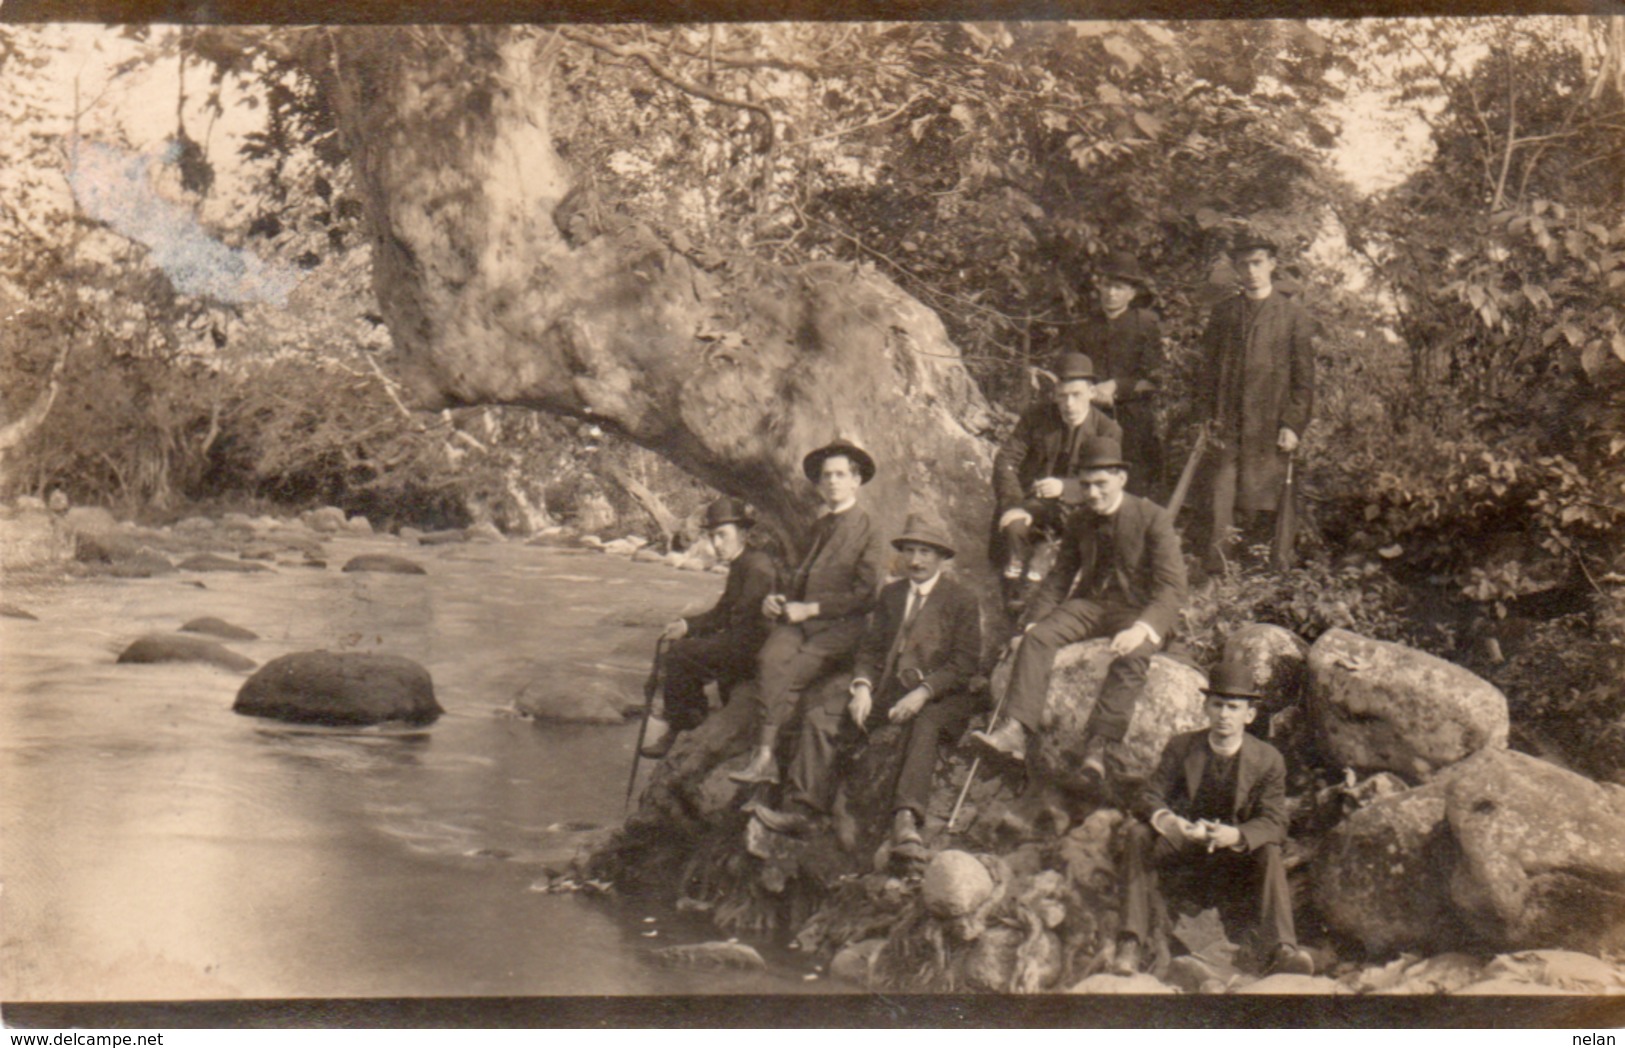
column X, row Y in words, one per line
column 720, row 644
column 1259, row 378
column 819, row 616
column 1127, row 340
column 1215, row 807
column 918, row 653
column 1035, row 471
column 1120, row 575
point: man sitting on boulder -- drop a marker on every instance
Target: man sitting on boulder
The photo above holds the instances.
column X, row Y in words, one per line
column 820, row 614
column 1035, row 471
column 1119, row 574
column 1215, row 807
column 918, row 653
column 720, row 644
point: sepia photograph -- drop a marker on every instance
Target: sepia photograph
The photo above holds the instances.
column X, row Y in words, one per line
column 797, row 521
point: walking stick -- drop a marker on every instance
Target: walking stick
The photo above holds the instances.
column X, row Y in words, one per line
column 1188, row 474
column 976, row 764
column 1286, row 524
column 657, row 678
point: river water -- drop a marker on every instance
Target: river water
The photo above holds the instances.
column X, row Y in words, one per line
column 155, row 845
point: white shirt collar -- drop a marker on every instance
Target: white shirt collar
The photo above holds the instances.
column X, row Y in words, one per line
column 1226, row 753
column 827, row 511
column 924, row 588
column 1115, row 506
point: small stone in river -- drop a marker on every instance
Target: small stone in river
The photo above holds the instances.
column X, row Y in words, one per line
column 651, row 933
column 648, row 920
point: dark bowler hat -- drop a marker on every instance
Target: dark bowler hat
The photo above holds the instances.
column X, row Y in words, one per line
column 1248, row 240
column 1232, row 680
column 1073, row 366
column 1100, row 453
column 1124, row 267
column 814, row 462
column 926, row 531
column 727, row 510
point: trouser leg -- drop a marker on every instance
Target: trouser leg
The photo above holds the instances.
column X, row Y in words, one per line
column 1070, row 621
column 810, row 780
column 1275, row 898
column 1224, row 507
column 921, row 735
column 1144, row 852
column 789, row 663
column 1124, row 683
column 690, row 662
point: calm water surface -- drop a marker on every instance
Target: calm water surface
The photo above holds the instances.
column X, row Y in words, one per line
column 153, row 844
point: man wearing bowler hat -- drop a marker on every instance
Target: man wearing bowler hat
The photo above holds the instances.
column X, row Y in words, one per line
column 720, row 644
column 1216, row 809
column 1119, row 574
column 818, row 617
column 1259, row 380
column 918, row 653
column 1126, row 342
column 1035, row 471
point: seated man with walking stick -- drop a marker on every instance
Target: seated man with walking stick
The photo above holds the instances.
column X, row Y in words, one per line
column 916, row 657
column 721, row 644
column 1119, row 574
column 1216, row 809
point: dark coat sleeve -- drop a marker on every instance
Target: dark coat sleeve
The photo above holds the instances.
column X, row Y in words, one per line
column 868, row 570
column 738, row 613
column 965, row 643
column 1167, row 569
column 878, row 634
column 1008, row 489
column 1165, row 788
column 1300, row 399
column 1264, row 810
column 1215, row 338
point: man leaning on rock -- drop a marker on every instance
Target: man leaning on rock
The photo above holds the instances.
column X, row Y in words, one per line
column 818, row 618
column 1119, row 574
column 916, row 657
column 1216, row 808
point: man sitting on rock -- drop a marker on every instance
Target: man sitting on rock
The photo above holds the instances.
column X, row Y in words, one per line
column 1215, row 807
column 918, row 653
column 820, row 614
column 720, row 644
column 1119, row 574
column 1035, row 471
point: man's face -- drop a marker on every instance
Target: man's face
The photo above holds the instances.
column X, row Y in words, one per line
column 1115, row 295
column 920, row 561
column 1254, row 269
column 1227, row 718
column 727, row 540
column 1073, row 398
column 838, row 480
column 1101, row 487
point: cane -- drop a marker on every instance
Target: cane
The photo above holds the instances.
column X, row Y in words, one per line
column 651, row 687
column 976, row 763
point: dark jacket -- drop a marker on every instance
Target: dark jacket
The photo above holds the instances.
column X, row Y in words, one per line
column 944, row 644
column 842, row 569
column 1027, row 454
column 1259, row 811
column 1146, row 563
column 737, row 616
column 1256, row 385
column 1128, row 347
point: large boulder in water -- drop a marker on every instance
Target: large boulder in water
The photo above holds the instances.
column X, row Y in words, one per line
column 1171, row 703
column 388, row 563
column 215, row 562
column 1380, row 706
column 583, row 692
column 349, row 688
column 177, row 647
column 1503, row 850
column 216, row 627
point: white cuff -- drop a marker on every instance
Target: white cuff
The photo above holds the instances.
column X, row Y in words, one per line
column 1010, row 516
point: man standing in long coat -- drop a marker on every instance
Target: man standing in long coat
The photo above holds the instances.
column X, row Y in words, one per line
column 1259, row 371
column 1128, row 340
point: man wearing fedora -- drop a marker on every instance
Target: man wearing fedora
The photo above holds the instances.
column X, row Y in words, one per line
column 1035, row 471
column 1119, row 574
column 1127, row 341
column 1258, row 377
column 919, row 651
column 818, row 617
column 721, row 644
column 1216, row 809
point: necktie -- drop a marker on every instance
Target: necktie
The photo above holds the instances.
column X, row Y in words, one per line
column 822, row 531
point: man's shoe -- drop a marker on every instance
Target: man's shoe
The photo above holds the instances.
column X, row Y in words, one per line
column 1291, row 960
column 761, row 769
column 658, row 739
column 1008, row 739
column 904, row 829
column 1094, row 760
column 1126, row 961
column 790, row 823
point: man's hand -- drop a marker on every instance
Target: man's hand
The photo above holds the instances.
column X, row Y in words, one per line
column 773, row 605
column 800, row 611
column 1130, row 639
column 1177, row 830
column 676, row 629
column 1218, row 835
column 1105, row 392
column 1015, row 516
column 908, row 706
column 1048, row 488
column 1287, row 440
column 859, row 705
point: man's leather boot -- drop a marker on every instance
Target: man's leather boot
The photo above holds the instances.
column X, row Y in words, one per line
column 905, row 829
column 761, row 769
column 1008, row 739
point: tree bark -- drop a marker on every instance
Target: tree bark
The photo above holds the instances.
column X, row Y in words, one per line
column 498, row 291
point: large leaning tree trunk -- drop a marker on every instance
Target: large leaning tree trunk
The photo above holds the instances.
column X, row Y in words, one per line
column 496, row 296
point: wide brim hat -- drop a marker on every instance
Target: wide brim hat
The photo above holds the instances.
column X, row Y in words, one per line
column 727, row 510
column 1124, row 267
column 814, row 462
column 1073, row 366
column 1249, row 240
column 1232, row 680
column 1099, row 453
column 925, row 531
